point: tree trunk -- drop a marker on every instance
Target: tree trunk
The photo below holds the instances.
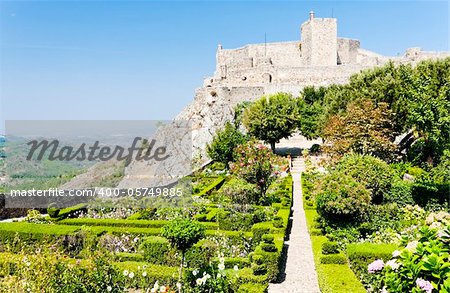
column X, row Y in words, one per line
column 181, row 268
column 272, row 146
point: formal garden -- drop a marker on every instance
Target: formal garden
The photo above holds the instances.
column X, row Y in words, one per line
column 376, row 195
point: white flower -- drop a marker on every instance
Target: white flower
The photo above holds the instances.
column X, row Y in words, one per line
column 131, row 275
column 162, row 289
column 179, row 286
column 109, row 288
column 153, row 290
column 412, row 246
column 144, row 274
column 221, row 266
column 396, row 253
column 236, row 268
column 156, row 286
column 393, row 264
column 199, row 281
column 195, row 272
column 125, row 273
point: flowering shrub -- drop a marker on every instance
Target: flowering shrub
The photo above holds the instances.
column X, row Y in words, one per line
column 256, row 164
column 212, row 279
column 51, row 272
column 232, row 247
column 36, row 217
column 123, row 243
column 421, row 266
column 104, row 213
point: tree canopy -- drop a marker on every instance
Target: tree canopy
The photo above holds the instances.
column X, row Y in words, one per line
column 271, row 118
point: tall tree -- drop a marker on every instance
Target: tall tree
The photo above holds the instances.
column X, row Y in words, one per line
column 365, row 128
column 310, row 107
column 224, row 141
column 272, row 118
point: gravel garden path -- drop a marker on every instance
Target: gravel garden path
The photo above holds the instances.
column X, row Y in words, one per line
column 300, row 272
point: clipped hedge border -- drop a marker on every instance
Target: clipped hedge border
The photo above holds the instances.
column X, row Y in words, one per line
column 124, row 223
column 360, row 255
column 34, row 232
column 214, row 185
column 31, row 231
column 70, row 211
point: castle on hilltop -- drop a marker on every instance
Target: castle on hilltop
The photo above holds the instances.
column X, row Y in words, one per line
column 320, row 58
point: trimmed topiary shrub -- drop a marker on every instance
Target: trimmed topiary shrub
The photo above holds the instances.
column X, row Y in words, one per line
column 155, row 249
column 260, row 229
column 400, row 193
column 252, row 288
column 333, row 259
column 234, row 221
column 330, row 248
column 53, row 210
column 360, row 255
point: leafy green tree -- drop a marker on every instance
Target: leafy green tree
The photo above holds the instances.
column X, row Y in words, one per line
column 183, row 234
column 310, row 111
column 428, row 109
column 239, row 113
column 418, row 98
column 365, row 128
column 224, row 141
column 272, row 118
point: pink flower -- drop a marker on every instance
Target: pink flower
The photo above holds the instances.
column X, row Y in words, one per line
column 376, row 266
column 424, row 285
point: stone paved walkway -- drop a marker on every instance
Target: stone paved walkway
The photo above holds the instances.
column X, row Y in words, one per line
column 301, row 276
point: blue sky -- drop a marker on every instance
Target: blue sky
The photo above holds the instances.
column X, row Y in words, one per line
column 143, row 59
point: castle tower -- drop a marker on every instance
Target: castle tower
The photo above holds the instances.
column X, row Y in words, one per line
column 319, row 41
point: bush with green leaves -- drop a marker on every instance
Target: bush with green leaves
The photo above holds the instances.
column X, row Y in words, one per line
column 340, row 198
column 330, row 248
column 156, row 250
column 46, row 271
column 400, row 193
column 238, row 191
column 183, row 234
column 53, row 210
column 421, row 266
column 375, row 174
column 360, row 255
column 223, row 143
